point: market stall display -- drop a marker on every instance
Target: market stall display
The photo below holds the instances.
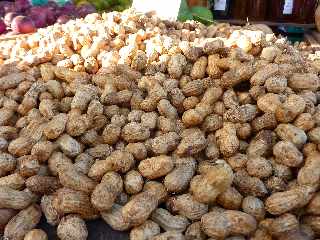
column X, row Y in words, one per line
column 165, row 129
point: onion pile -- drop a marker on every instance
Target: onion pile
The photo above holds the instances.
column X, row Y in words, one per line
column 21, row 17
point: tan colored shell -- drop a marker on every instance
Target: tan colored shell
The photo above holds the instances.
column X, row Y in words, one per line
column 36, row 234
column 22, row 223
column 72, row 226
column 229, row 222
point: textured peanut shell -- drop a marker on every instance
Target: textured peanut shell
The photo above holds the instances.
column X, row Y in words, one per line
column 22, row 223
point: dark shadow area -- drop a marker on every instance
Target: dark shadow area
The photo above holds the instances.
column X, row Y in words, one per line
column 98, row 230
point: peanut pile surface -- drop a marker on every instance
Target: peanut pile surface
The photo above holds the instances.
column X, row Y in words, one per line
column 168, row 130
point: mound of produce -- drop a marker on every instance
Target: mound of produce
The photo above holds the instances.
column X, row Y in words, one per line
column 168, row 130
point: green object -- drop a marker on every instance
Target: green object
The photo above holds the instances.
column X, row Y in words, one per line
column 294, row 34
column 61, row 2
column 202, row 14
column 38, row 2
column 184, row 12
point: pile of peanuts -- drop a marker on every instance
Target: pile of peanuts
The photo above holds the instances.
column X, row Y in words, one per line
column 169, row 130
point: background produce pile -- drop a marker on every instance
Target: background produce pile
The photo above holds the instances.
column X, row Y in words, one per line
column 170, row 130
column 21, row 17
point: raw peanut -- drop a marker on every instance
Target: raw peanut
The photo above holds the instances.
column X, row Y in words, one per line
column 186, row 205
column 165, row 143
column 314, row 135
column 282, row 224
column 227, row 140
column 133, row 182
column 71, row 201
column 13, row 181
column 42, row 184
column 145, row 231
column 169, row 222
column 54, row 87
column 77, row 124
column 242, row 114
column 166, row 109
column 149, row 120
column 99, row 151
column 56, row 126
column 115, row 219
column 218, row 178
column 28, row 166
column 176, row 64
column 49, row 211
column 199, row 68
column 139, row 208
column 282, row 202
column 69, row 145
column 193, row 141
column 262, row 143
column 21, row 146
column 11, row 80
column 269, row 102
column 212, row 150
column 10, row 198
column 7, row 163
column 138, row 150
column 266, row 121
column 213, row 46
column 212, row 69
column 56, row 159
column 254, row 206
column 156, row 167
column 269, row 53
column 83, row 163
column 135, row 132
column 73, row 179
column 314, row 205
column 290, row 109
column 72, row 227
column 106, row 192
column 259, row 167
column 193, row 88
column 111, row 134
column 276, row 84
column 237, row 161
column 36, row 234
column 47, row 71
column 179, row 178
column 194, row 232
column 292, row 157
column 42, row 150
column 8, row 132
column 230, row 99
column 156, row 189
column 5, row 216
column 304, row 81
column 249, row 185
column 169, row 235
column 190, row 102
column 229, row 222
column 309, row 174
column 6, row 114
column 263, row 74
column 121, row 161
column 230, row 199
column 22, row 223
column 313, row 222
column 237, row 74
column 288, row 132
